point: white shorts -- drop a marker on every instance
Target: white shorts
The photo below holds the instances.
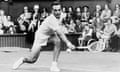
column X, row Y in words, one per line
column 42, row 39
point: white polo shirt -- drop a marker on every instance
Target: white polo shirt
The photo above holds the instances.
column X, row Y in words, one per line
column 48, row 27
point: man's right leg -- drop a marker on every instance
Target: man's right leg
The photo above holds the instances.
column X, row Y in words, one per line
column 57, row 45
column 32, row 58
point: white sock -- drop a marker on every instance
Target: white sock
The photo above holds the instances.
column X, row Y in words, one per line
column 54, row 63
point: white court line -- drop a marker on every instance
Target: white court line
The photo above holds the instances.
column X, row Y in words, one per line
column 64, row 68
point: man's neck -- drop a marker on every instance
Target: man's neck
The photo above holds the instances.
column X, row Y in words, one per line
column 57, row 17
column 109, row 25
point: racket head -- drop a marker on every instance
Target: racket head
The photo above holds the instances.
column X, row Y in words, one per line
column 96, row 47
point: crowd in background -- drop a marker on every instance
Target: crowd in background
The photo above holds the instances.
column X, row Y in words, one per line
column 74, row 20
column 28, row 21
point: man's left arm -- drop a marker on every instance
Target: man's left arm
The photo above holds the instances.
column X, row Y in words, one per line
column 64, row 39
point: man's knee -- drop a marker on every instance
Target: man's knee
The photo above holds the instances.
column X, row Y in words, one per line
column 57, row 40
column 32, row 60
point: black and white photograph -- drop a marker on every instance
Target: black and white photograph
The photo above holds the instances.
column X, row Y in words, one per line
column 59, row 35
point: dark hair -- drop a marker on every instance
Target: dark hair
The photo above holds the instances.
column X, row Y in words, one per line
column 77, row 7
column 70, row 7
column 85, row 6
column 64, row 7
column 55, row 3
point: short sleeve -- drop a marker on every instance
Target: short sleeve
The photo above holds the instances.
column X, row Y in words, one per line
column 55, row 27
column 54, row 24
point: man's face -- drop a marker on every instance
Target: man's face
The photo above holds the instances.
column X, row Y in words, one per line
column 85, row 9
column 56, row 10
column 70, row 9
column 1, row 12
column 9, row 18
column 78, row 9
column 25, row 9
column 36, row 8
column 98, row 7
column 64, row 9
column 117, row 7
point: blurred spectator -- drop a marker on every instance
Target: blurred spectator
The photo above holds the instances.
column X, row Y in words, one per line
column 35, row 19
column 1, row 28
column 109, row 28
column 44, row 14
column 108, row 31
column 98, row 24
column 117, row 11
column 96, row 18
column 35, row 22
column 71, row 27
column 70, row 11
column 3, row 18
column 85, row 15
column 98, row 11
column 24, row 20
column 67, row 18
column 10, row 22
column 87, row 33
column 106, row 13
column 11, row 26
column 78, row 13
column 116, row 16
column 64, row 9
column 64, row 13
column 78, row 26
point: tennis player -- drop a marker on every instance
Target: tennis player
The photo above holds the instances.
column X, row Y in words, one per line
column 49, row 30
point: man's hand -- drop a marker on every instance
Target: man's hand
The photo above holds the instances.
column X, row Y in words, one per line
column 70, row 45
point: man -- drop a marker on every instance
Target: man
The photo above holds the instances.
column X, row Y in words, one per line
column 87, row 33
column 49, row 27
column 97, row 12
column 108, row 31
column 106, row 13
column 24, row 20
column 3, row 18
column 35, row 19
column 116, row 16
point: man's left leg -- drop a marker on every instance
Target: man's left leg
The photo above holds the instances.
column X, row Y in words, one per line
column 57, row 44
